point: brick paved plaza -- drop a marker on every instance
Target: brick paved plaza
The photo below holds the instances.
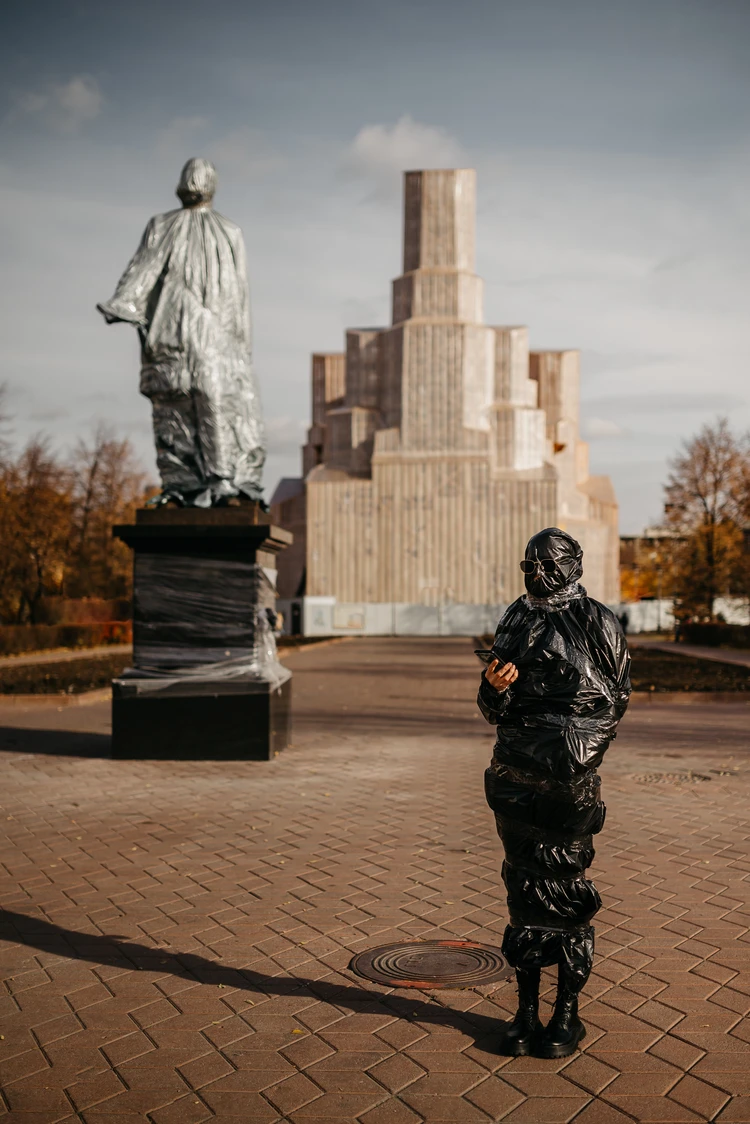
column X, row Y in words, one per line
column 177, row 935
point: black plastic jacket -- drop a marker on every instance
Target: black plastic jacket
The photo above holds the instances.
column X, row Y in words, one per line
column 573, row 686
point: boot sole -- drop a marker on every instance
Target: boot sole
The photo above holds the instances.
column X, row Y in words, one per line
column 561, row 1051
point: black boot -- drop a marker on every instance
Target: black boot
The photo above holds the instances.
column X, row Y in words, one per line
column 517, row 1039
column 564, row 1030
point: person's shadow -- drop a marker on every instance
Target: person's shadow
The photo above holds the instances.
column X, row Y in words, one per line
column 120, row 952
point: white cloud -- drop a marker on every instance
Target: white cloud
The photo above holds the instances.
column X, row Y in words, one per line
column 62, row 106
column 602, row 427
column 380, row 153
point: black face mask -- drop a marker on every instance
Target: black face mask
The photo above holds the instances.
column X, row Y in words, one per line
column 561, row 549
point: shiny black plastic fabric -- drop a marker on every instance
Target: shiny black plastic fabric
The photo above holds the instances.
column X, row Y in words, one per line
column 554, row 725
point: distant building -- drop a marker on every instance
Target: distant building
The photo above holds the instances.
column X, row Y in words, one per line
column 438, row 446
column 647, row 564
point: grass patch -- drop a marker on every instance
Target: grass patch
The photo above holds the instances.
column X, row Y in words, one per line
column 68, row 677
column 653, row 670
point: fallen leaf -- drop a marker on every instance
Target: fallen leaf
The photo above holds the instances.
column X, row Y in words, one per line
column 297, row 1031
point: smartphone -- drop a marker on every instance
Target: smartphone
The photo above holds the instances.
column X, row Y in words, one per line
column 487, row 655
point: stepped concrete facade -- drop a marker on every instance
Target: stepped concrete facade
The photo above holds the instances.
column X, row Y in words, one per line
column 438, row 446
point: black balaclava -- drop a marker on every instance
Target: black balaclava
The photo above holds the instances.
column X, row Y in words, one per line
column 565, row 552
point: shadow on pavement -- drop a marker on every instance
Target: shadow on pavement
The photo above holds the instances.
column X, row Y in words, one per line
column 64, row 743
column 118, row 952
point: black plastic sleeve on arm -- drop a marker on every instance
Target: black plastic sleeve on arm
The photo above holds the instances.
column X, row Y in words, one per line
column 623, row 688
column 492, row 703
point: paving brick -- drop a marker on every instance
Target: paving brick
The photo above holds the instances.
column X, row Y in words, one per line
column 736, row 1112
column 699, row 1096
column 186, row 1110
column 202, row 1071
column 332, row 1080
column 394, row 1073
column 392, row 1111
column 92, row 1091
column 346, row 1106
column 455, row 1110
column 102, row 1116
column 292, row 1093
column 672, row 1050
column 652, row 1110
column 445, row 1061
column 495, row 1097
column 542, row 1084
column 556, row 1111
column 597, row 1112
column 590, row 1073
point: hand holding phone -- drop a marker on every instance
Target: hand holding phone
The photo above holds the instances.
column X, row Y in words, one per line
column 498, row 674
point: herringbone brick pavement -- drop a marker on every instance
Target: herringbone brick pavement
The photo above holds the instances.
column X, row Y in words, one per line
column 175, row 935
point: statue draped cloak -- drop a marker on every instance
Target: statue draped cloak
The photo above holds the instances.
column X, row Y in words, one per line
column 186, row 291
column 554, row 725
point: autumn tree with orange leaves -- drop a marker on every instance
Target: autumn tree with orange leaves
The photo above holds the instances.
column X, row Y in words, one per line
column 707, row 503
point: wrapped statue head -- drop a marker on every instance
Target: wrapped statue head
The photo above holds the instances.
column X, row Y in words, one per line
column 553, row 560
column 197, row 182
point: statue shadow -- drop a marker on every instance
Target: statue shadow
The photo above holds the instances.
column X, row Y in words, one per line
column 113, row 951
column 54, row 742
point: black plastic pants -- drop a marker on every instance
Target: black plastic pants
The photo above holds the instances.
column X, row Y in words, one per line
column 546, row 828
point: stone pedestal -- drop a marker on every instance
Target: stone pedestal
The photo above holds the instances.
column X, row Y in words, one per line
column 202, row 581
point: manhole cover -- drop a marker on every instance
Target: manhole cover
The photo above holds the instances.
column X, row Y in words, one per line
column 432, row 964
column 670, row 778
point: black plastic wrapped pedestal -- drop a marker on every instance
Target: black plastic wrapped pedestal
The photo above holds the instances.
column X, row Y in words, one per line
column 203, row 582
column 227, row 724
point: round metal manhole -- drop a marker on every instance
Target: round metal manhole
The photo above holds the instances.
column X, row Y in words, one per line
column 432, row 964
column 670, row 778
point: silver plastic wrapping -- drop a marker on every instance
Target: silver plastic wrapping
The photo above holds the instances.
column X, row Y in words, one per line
column 186, row 291
column 202, row 624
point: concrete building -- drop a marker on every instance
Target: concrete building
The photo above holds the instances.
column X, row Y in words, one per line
column 438, row 446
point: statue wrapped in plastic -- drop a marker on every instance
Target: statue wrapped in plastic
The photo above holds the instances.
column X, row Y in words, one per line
column 556, row 693
column 186, row 291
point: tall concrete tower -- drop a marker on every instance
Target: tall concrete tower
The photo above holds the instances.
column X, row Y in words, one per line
column 442, row 446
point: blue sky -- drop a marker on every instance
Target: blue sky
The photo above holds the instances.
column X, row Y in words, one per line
column 612, row 146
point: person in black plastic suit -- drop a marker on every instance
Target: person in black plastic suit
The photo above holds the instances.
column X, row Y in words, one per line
column 556, row 692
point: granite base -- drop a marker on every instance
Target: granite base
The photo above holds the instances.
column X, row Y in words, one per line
column 221, row 721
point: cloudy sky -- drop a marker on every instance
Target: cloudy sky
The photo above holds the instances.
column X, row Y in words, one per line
column 611, row 140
